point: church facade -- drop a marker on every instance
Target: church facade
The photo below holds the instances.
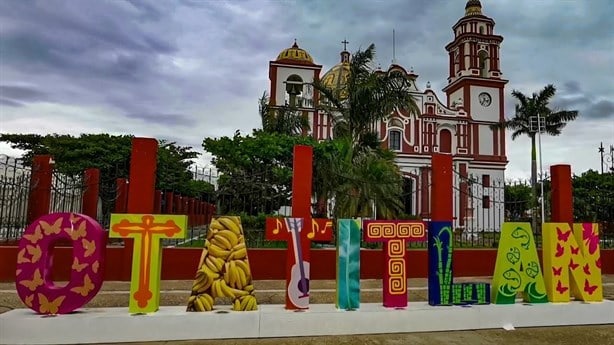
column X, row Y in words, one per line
column 459, row 125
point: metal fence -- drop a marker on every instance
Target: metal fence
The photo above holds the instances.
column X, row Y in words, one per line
column 14, row 192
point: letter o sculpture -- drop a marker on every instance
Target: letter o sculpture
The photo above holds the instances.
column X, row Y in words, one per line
column 35, row 260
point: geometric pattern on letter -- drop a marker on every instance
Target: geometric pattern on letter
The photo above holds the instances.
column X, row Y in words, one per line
column 396, row 267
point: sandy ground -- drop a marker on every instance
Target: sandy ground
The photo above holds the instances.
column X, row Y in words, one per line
column 115, row 294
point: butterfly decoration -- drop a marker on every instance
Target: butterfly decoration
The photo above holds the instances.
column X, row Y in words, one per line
column 28, row 300
column 78, row 233
column 591, row 237
column 21, row 257
column 18, row 272
column 575, row 251
column 37, row 280
column 35, row 252
column 50, row 307
column 557, row 271
column 587, row 270
column 560, row 288
column 88, row 246
column 78, row 266
column 38, row 235
column 562, row 236
column 590, row 289
column 86, row 288
column 50, row 229
column 560, row 250
column 573, row 265
column 95, row 266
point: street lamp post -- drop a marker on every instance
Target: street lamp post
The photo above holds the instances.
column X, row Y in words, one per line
column 536, row 125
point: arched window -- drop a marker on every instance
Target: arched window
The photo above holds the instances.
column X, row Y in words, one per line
column 445, row 141
column 483, row 58
column 394, row 140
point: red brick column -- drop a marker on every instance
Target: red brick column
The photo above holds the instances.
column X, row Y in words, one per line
column 39, row 199
column 121, row 198
column 441, row 188
column 90, row 196
column 141, row 189
column 562, row 202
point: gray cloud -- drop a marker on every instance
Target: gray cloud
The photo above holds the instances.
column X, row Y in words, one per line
column 21, row 93
column 198, row 67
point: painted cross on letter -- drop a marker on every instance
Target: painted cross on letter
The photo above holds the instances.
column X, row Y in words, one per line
column 147, row 231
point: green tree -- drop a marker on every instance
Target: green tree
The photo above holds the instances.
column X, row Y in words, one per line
column 255, row 170
column 281, row 119
column 110, row 154
column 356, row 171
column 527, row 110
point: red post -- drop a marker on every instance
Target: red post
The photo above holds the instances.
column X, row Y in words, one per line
column 158, row 202
column 141, row 189
column 441, row 188
column 177, row 204
column 40, row 183
column 202, row 212
column 191, row 211
column 90, row 196
column 562, row 201
column 121, row 198
column 207, row 213
column 168, row 206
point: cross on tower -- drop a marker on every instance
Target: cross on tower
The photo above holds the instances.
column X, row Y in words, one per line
column 345, row 42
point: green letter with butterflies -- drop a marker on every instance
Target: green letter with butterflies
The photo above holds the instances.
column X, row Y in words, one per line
column 517, row 268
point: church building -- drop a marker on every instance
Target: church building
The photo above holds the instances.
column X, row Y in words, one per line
column 458, row 125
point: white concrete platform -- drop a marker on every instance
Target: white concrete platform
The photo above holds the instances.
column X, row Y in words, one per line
column 109, row 325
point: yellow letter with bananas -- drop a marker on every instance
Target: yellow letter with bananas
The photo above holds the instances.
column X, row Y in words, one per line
column 224, row 269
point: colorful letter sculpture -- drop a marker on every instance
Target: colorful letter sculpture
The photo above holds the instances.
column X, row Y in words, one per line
column 348, row 264
column 394, row 234
column 34, row 263
column 299, row 233
column 440, row 278
column 224, row 269
column 442, row 289
column 517, row 267
column 576, row 251
column 147, row 231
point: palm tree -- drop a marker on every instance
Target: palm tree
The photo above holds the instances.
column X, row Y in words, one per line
column 281, row 119
column 368, row 96
column 357, row 172
column 527, row 111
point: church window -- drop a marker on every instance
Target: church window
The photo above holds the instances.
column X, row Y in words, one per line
column 481, row 29
column 483, row 58
column 394, row 140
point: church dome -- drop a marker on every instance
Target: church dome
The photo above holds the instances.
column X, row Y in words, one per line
column 295, row 55
column 473, row 8
column 337, row 77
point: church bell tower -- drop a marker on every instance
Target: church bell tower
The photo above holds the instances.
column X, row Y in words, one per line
column 475, row 79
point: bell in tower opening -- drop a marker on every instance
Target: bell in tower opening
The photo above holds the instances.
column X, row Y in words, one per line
column 294, row 87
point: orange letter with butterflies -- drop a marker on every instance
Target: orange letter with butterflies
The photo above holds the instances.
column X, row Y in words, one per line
column 572, row 251
column 35, row 288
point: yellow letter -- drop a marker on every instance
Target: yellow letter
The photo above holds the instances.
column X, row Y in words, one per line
column 577, row 253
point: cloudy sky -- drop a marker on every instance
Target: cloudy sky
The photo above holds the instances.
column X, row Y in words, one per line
column 188, row 69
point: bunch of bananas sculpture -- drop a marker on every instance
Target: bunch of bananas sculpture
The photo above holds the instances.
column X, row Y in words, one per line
column 224, row 270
